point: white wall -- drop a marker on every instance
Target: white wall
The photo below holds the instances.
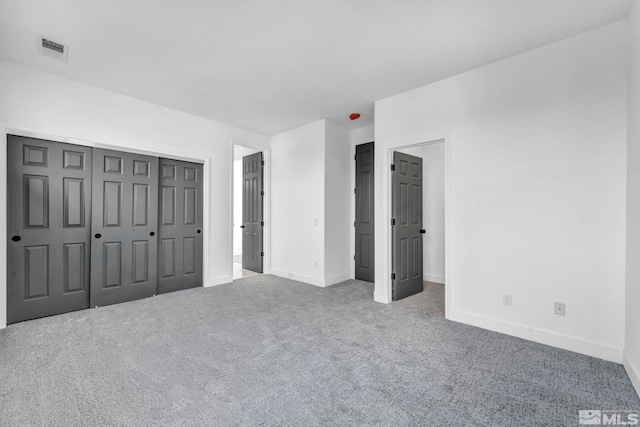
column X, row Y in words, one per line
column 45, row 105
column 537, row 189
column 237, row 207
column 310, row 204
column 337, row 193
column 297, row 203
column 632, row 344
column 358, row 136
column 362, row 135
column 432, row 156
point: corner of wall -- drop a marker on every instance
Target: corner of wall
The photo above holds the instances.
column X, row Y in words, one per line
column 298, row 277
column 218, row 280
column 298, row 203
column 337, row 193
column 632, row 370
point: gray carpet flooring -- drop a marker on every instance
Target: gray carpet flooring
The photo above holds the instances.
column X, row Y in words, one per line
column 430, row 301
column 274, row 352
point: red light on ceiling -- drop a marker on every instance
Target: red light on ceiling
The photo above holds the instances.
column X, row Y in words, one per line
column 354, row 116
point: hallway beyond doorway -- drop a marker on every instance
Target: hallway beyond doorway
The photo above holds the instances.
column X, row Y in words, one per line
column 239, row 272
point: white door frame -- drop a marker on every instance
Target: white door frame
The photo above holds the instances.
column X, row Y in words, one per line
column 35, row 132
column 385, row 294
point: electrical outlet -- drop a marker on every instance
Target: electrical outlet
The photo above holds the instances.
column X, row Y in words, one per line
column 559, row 308
column 506, row 299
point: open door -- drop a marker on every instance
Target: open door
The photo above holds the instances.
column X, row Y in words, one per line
column 364, row 225
column 406, row 224
column 252, row 212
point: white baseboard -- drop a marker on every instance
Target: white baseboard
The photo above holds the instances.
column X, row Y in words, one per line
column 554, row 339
column 379, row 297
column 299, row 277
column 322, row 283
column 337, row 279
column 219, row 280
column 632, row 371
column 433, row 278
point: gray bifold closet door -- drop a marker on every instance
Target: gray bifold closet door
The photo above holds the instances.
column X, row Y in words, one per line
column 252, row 212
column 83, row 227
column 180, row 231
column 48, row 228
column 124, row 227
column 407, row 229
column 365, row 196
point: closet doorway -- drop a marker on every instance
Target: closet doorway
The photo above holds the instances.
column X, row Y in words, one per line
column 84, row 226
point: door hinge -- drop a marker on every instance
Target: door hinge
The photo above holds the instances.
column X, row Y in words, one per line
column 354, row 223
column 262, row 193
column 355, row 158
column 393, row 167
column 262, row 162
column 261, row 253
column 354, row 257
column 393, row 221
column 262, row 223
column 354, row 191
column 393, row 276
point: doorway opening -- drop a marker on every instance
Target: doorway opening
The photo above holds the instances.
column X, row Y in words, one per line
column 418, row 238
column 248, row 211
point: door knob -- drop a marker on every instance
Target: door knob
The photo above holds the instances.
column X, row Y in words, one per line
column 242, row 226
column 98, row 235
column 423, row 231
column 16, row 238
column 152, row 234
column 199, row 231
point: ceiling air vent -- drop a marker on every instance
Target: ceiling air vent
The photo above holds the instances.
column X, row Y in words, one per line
column 52, row 49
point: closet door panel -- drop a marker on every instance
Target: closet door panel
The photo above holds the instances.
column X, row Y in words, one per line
column 48, row 208
column 180, row 253
column 124, row 227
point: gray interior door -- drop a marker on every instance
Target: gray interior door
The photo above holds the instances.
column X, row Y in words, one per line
column 364, row 225
column 180, row 229
column 252, row 208
column 48, row 228
column 124, row 226
column 406, row 225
